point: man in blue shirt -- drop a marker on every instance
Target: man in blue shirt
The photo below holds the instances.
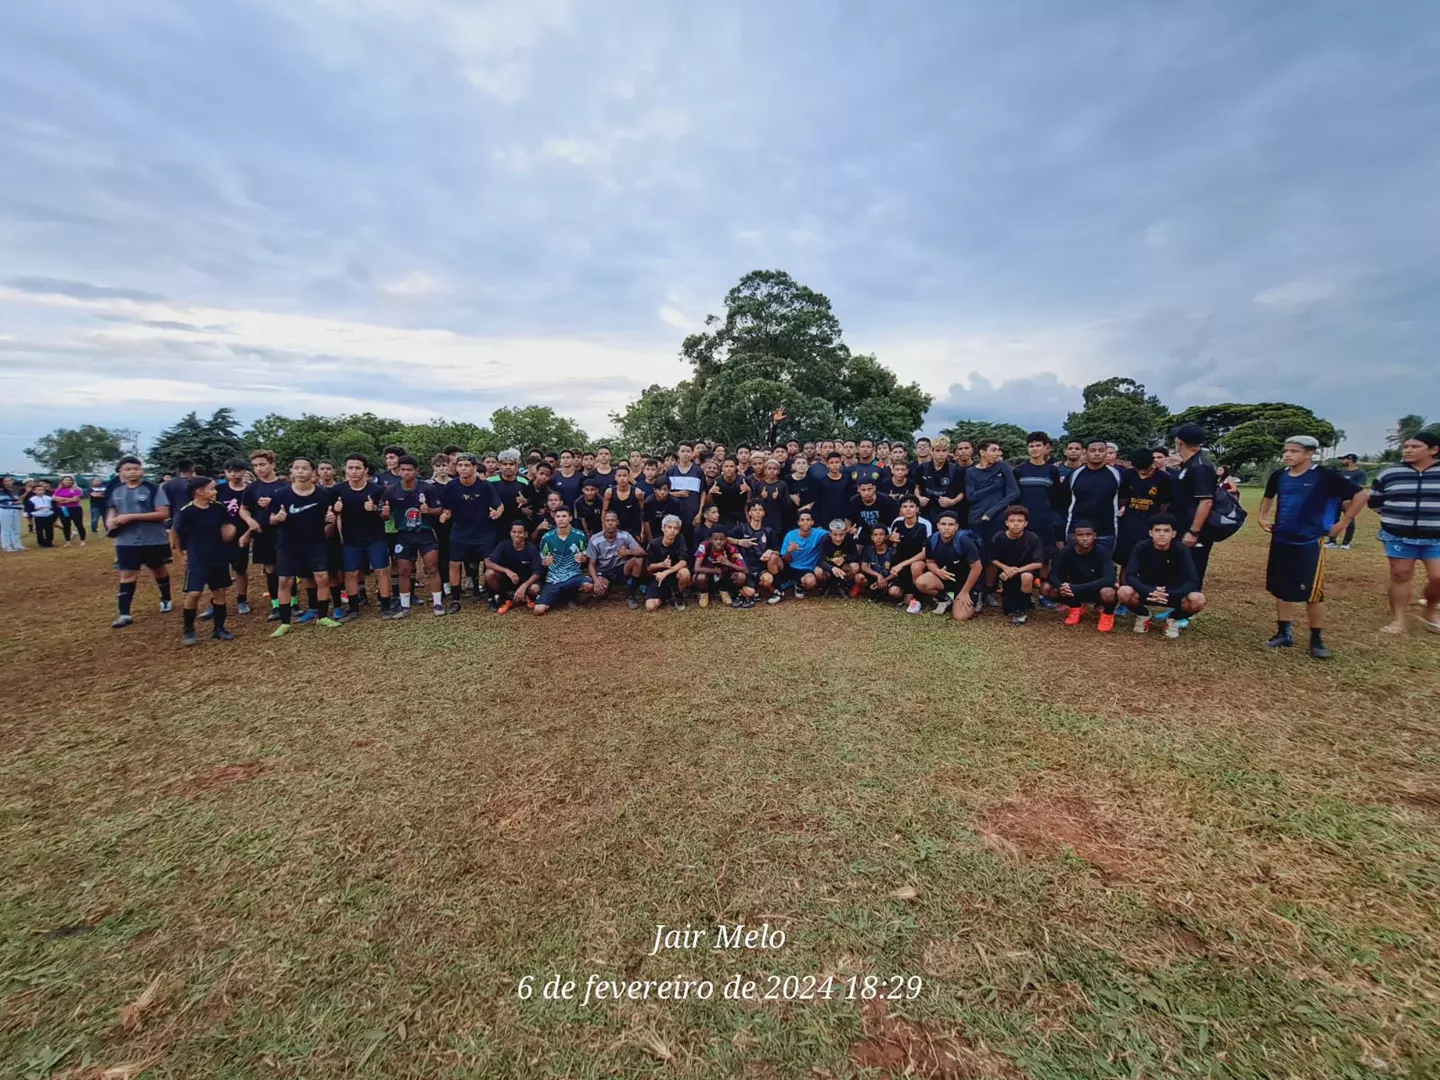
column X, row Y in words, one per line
column 1350, row 469
column 1300, row 494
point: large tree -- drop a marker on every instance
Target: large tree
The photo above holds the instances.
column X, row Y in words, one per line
column 1244, row 436
column 1120, row 411
column 82, row 449
column 534, row 425
column 205, row 442
column 779, row 344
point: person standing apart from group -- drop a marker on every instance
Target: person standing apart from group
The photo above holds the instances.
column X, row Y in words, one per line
column 1407, row 497
column 11, row 508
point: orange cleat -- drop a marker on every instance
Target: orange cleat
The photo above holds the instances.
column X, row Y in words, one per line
column 1107, row 621
column 1073, row 619
column 506, row 606
column 855, row 590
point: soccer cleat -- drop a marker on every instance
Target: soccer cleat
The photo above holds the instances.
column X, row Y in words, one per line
column 189, row 638
column 501, row 609
column 208, row 613
column 1142, row 624
column 1344, row 547
column 494, row 603
column 1107, row 622
column 166, row 607
column 123, row 620
column 632, row 603
column 704, row 599
column 223, row 635
column 1172, row 628
column 1048, row 604
column 1121, row 610
column 678, row 603
column 799, row 593
column 913, row 608
column 991, row 600
column 437, row 609
column 400, row 613
column 387, row 613
column 327, row 622
column 1183, row 623
column 1280, row 641
column 943, row 605
column 726, row 599
column 855, row 591
column 307, row 617
column 1020, row 619
column 274, row 615
column 281, row 630
column 774, row 597
column 1320, row 652
column 1075, row 615
column 454, row 608
column 242, row 608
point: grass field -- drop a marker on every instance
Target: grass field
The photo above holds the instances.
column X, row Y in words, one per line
column 337, row 855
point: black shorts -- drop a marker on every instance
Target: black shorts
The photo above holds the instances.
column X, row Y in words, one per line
column 413, row 546
column 134, row 556
column 302, row 563
column 262, row 549
column 615, row 575
column 200, row 578
column 239, row 558
column 334, row 555
column 469, row 551
column 1296, row 572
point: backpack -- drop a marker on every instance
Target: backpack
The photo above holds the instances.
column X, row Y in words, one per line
column 1226, row 517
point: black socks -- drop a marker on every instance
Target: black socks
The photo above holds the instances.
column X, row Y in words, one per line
column 127, row 594
column 164, row 585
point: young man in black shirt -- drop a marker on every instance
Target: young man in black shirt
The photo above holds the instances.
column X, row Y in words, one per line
column 231, row 495
column 773, row 494
column 301, row 516
column 759, row 546
column 941, row 482
column 471, row 506
column 910, row 534
column 1093, row 493
column 729, row 493
column 667, row 566
column 1017, row 555
column 1082, row 573
column 361, row 511
column 832, row 491
column 513, row 570
column 203, row 530
column 952, row 569
column 877, row 563
column 256, row 513
column 869, row 508
column 839, row 565
column 626, row 500
column 896, row 483
column 1162, row 574
column 414, row 506
column 1194, row 495
column 589, row 510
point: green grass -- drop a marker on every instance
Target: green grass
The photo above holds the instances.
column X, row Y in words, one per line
column 1105, row 857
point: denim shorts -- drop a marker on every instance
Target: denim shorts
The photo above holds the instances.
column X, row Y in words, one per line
column 1400, row 547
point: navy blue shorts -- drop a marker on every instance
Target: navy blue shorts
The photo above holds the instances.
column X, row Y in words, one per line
column 200, row 578
column 551, row 594
column 376, row 553
column 413, row 546
column 470, row 551
column 134, row 556
column 301, row 563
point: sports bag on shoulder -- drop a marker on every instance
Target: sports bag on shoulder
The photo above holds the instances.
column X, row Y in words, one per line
column 1226, row 517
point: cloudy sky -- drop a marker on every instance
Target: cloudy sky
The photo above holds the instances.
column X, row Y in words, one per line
column 435, row 207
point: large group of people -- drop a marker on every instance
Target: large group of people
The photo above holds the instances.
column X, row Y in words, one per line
column 955, row 529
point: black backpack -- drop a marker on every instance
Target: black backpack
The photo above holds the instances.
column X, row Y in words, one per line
column 1226, row 517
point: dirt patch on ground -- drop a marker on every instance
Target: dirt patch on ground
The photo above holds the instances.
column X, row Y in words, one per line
column 222, row 776
column 1046, row 825
column 1426, row 801
column 899, row 1047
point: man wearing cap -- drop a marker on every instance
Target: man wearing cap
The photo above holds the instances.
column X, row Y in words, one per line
column 1300, row 495
column 1194, row 493
column 1350, row 469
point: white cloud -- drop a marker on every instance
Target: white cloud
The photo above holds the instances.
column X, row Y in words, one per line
column 1295, row 294
column 414, row 284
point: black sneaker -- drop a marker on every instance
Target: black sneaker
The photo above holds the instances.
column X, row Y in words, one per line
column 387, row 613
column 223, row 635
column 1320, row 651
column 494, row 603
column 189, row 638
column 632, row 603
column 274, row 615
column 678, row 603
column 454, row 607
column 1280, row 641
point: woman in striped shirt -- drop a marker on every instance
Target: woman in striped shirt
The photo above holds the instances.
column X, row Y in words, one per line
column 1408, row 499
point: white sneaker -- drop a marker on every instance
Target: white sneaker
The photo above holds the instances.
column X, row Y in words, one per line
column 775, row 597
column 913, row 608
column 942, row 606
column 1142, row 625
column 1172, row 628
column 166, row 607
column 1344, row 547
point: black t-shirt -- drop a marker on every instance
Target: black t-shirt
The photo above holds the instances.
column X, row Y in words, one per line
column 198, row 530
column 802, row 490
column 948, row 481
column 177, row 490
column 910, row 540
column 1073, row 568
column 729, row 498
column 1145, row 495
column 833, row 554
column 589, row 515
column 957, row 556
column 892, row 489
column 880, row 561
column 604, row 479
column 657, row 552
column 568, row 486
column 304, row 526
column 254, row 492
column 407, row 510
column 524, row 562
column 1039, row 485
column 1195, row 482
column 227, row 497
column 880, row 512
column 470, row 510
column 508, row 494
column 1095, row 497
column 765, row 539
column 628, row 510
column 862, row 471
column 358, row 525
column 832, row 499
column 656, row 510
column 1022, row 551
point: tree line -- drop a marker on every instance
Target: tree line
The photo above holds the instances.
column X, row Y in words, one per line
column 779, row 344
